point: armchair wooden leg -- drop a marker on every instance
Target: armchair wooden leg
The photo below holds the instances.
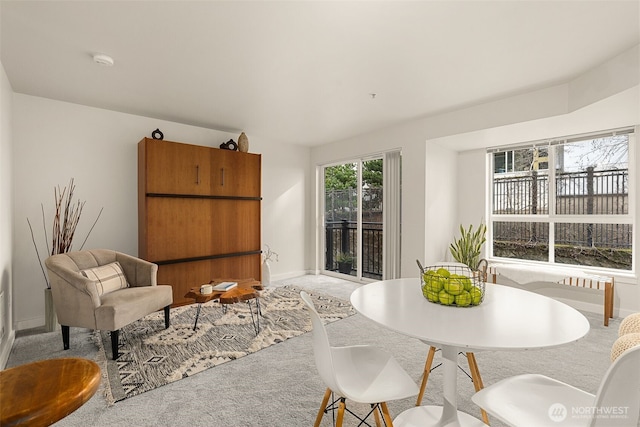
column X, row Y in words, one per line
column 425, row 376
column 167, row 320
column 65, row 337
column 114, row 343
column 325, row 401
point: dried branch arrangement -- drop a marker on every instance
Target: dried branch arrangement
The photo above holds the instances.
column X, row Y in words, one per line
column 66, row 219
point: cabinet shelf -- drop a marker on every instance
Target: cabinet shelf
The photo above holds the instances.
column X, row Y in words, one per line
column 206, row 257
column 202, row 196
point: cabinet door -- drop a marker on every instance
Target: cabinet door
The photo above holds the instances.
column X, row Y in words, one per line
column 179, row 228
column 175, row 168
column 235, row 174
column 182, row 228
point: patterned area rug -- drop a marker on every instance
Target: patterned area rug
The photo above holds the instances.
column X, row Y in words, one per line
column 151, row 356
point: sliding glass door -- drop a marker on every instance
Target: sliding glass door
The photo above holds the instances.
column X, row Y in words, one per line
column 353, row 218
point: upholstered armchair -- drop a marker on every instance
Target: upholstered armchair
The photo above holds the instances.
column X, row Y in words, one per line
column 104, row 290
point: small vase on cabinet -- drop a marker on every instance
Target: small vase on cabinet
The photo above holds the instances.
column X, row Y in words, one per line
column 243, row 143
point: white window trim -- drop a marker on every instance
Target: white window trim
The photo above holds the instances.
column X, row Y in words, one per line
column 552, row 218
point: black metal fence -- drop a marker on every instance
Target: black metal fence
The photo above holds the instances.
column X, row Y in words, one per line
column 577, row 193
column 341, row 236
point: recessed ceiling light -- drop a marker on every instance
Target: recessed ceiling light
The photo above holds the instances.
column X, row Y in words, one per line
column 104, row 60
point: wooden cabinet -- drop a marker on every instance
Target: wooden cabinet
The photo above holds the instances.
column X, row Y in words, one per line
column 199, row 213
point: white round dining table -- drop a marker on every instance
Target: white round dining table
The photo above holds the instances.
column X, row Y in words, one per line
column 507, row 319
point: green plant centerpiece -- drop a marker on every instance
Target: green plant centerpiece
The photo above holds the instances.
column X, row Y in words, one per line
column 467, row 248
column 345, row 262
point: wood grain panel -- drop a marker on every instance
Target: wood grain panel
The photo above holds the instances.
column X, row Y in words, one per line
column 177, row 168
column 235, row 174
column 186, row 228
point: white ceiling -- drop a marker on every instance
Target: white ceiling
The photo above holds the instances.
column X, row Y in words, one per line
column 303, row 72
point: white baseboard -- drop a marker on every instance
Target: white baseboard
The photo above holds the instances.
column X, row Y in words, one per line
column 288, row 275
column 6, row 349
column 34, row 322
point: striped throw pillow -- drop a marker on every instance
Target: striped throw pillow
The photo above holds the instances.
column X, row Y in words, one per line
column 108, row 278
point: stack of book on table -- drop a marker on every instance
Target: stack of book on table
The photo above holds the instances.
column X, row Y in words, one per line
column 225, row 286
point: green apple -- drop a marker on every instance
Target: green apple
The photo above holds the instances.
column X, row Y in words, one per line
column 432, row 296
column 466, row 282
column 436, row 284
column 443, row 272
column 428, row 275
column 476, row 295
column 425, row 290
column 464, row 299
column 446, row 298
column 453, row 287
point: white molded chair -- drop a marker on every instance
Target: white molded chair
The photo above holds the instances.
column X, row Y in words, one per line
column 537, row 400
column 361, row 373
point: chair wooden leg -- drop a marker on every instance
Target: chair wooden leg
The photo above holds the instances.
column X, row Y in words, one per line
column 477, row 381
column 425, row 375
column 340, row 417
column 325, row 401
column 385, row 414
column 376, row 415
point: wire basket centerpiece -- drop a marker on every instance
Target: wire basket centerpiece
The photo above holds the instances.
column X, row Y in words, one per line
column 452, row 284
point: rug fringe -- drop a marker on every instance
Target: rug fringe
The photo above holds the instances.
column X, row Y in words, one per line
column 101, row 360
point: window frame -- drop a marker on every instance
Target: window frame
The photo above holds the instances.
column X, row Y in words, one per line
column 552, row 218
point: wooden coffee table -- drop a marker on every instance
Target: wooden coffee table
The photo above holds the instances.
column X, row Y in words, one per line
column 247, row 290
column 43, row 392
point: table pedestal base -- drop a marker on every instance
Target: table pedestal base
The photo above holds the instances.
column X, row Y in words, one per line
column 428, row 416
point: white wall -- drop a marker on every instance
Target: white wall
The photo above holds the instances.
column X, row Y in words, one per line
column 285, row 206
column 7, row 332
column 442, row 213
column 55, row 141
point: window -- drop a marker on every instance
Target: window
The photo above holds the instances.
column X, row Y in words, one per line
column 565, row 201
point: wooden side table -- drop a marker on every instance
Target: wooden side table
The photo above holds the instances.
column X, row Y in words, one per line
column 247, row 290
column 43, row 392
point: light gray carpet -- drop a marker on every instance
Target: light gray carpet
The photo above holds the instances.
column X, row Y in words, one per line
column 279, row 386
